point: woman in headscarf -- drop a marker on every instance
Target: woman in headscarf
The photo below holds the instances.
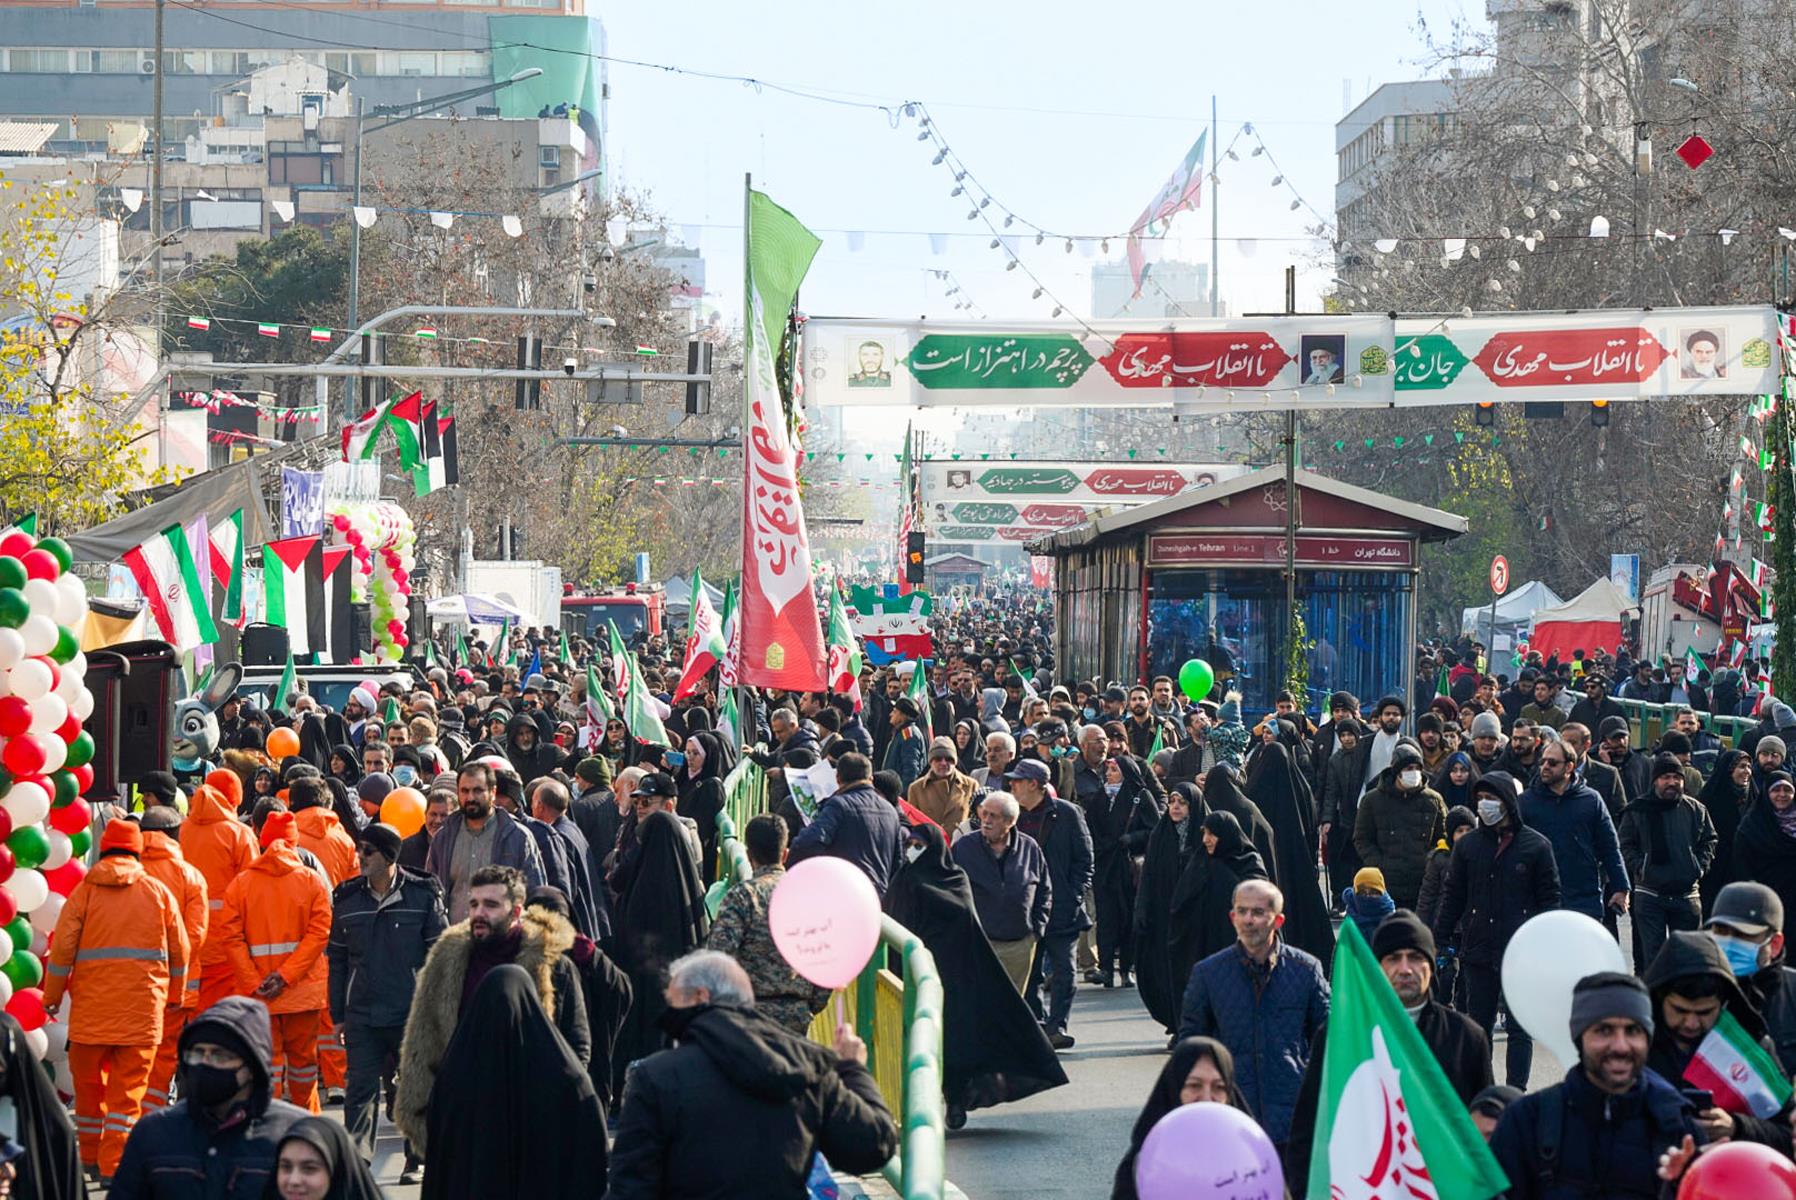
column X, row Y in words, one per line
column 345, row 764
column 1455, row 779
column 616, row 744
column 49, row 1163
column 1726, row 795
column 1120, row 824
column 1279, row 789
column 512, row 1112
column 606, row 989
column 1222, row 793
column 993, row 1050
column 1765, row 842
column 1206, row 898
column 263, row 783
column 316, row 1161
column 1200, row 1069
column 700, row 781
column 660, row 915
column 1170, row 850
column 969, row 747
column 344, row 802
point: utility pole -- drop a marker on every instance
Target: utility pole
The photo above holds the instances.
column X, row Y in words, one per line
column 156, row 176
column 1291, row 507
column 1215, row 218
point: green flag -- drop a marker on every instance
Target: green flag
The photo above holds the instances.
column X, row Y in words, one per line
column 28, row 523
column 596, row 703
column 1386, row 1114
column 1441, row 687
column 729, row 721
column 389, row 712
column 919, row 691
column 284, row 689
column 498, row 645
column 461, row 648
column 638, row 706
column 1159, row 739
column 430, row 652
column 565, row 654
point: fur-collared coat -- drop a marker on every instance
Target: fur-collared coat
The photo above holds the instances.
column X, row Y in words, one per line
column 436, row 1007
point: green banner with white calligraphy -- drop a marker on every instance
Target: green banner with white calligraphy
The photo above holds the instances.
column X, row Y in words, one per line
column 1008, row 502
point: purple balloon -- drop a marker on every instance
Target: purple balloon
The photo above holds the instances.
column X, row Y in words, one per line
column 1208, row 1152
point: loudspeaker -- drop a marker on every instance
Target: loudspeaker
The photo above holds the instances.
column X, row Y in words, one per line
column 135, row 685
column 264, row 645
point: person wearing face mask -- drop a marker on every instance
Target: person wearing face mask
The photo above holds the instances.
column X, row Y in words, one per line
column 227, row 1124
column 1748, row 924
column 1399, row 821
column 1501, row 873
column 1667, row 842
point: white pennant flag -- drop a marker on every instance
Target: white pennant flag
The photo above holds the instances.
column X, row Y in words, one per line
column 283, row 209
column 442, row 220
column 133, row 198
column 513, row 226
column 364, row 216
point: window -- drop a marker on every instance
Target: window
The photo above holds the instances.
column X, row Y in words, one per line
column 462, row 62
column 301, row 169
column 415, row 63
column 548, row 157
column 117, row 62
column 39, row 62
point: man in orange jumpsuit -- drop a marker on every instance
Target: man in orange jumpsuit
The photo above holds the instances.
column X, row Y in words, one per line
column 120, row 950
column 275, row 924
column 162, row 859
column 320, row 830
column 221, row 846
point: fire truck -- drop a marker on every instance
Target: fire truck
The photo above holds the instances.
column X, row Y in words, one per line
column 635, row 608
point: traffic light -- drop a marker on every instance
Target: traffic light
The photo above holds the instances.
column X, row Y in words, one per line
column 1486, row 413
column 913, row 557
column 1599, row 414
column 698, row 362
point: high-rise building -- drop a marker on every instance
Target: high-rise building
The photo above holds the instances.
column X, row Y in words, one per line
column 1171, row 289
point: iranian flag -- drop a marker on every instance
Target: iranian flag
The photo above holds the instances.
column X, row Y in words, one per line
column 727, row 674
column 781, row 639
column 267, row 330
column 1182, row 190
column 225, row 554
column 704, row 645
column 1741, row 1074
column 844, row 652
column 638, row 706
column 361, row 437
column 1692, row 665
column 164, row 571
column 919, row 691
column 1388, row 1124
column 598, row 711
column 293, row 581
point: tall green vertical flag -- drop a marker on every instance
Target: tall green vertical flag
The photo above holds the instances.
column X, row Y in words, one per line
column 430, row 652
column 284, row 689
column 1159, row 739
column 1388, row 1123
column 597, row 705
column 1441, row 686
column 638, row 706
column 564, row 653
column 461, row 648
column 919, row 691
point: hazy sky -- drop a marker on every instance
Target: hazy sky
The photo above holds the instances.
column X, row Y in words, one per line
column 1072, row 115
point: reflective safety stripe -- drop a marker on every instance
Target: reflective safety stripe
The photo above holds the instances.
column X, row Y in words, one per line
column 177, row 972
column 58, row 969
column 274, row 948
column 215, row 904
column 95, row 953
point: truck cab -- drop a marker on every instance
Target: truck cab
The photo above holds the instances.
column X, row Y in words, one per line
column 637, row 609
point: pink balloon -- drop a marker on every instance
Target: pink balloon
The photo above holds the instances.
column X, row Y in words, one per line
column 825, row 920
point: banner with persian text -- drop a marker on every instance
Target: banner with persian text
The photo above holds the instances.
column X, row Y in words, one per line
column 1009, row 502
column 1318, row 362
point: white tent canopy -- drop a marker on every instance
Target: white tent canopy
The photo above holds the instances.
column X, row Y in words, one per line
column 1601, row 601
column 1514, row 609
column 474, row 608
column 679, row 594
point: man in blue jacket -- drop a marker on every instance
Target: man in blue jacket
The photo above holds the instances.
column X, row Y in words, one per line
column 1265, row 1001
column 1058, row 827
column 855, row 824
column 1572, row 817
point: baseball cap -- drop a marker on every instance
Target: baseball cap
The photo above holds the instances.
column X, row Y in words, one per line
column 1030, row 769
column 1752, row 908
column 657, row 783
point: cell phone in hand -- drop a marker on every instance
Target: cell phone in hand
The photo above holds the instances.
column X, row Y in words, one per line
column 1699, row 1099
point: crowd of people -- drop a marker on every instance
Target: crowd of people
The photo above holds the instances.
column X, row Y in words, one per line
column 537, row 994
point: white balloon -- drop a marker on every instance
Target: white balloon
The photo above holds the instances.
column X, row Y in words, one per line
column 12, row 649
column 82, row 706
column 69, row 683
column 27, row 804
column 58, row 1033
column 29, row 889
column 38, row 633
column 1544, row 961
column 5, row 983
column 71, row 601
column 5, row 953
column 56, row 751
column 41, row 596
column 61, row 850
column 48, row 713
column 31, row 678
column 43, row 917
column 39, row 1041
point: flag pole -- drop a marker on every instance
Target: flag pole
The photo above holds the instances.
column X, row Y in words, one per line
column 744, row 712
column 1215, row 217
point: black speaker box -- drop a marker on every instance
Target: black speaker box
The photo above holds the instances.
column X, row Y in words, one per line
column 135, row 686
column 264, row 646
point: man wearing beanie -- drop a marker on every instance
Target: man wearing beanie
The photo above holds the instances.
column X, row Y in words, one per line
column 162, row 858
column 1767, row 759
column 1486, row 742
column 943, row 791
column 1404, row 948
column 121, row 951
column 1599, row 1132
column 1667, row 842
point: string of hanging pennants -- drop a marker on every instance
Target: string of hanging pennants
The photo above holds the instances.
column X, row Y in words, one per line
column 364, row 215
column 326, row 334
column 220, row 399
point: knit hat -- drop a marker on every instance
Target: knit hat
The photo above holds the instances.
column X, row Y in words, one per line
column 1369, row 877
column 160, row 784
column 161, row 818
column 1485, row 724
column 383, row 839
column 1610, row 727
column 1402, row 930
column 362, row 696
column 1405, row 754
column 1230, row 712
column 594, row 770
column 1772, row 742
column 280, row 826
column 374, row 787
column 1459, row 817
column 1345, row 700
column 1675, row 743
column 1667, row 764
column 1429, row 721
column 943, row 748
column 121, row 837
column 908, row 707
column 1609, row 994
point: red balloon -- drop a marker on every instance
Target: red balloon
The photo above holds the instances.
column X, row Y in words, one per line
column 70, row 729
column 23, row 756
column 1739, row 1171
column 40, row 564
column 9, row 908
column 15, row 716
column 84, row 777
column 27, row 1007
column 16, row 544
column 5, row 830
column 63, row 879
column 71, row 818
column 6, row 863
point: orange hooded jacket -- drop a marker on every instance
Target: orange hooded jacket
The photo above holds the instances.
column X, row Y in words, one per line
column 277, row 917
column 119, row 950
column 321, row 831
column 219, row 845
column 162, row 859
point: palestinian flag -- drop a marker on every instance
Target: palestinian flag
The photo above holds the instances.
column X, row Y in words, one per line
column 293, row 583
column 1388, row 1123
column 1741, row 1074
column 339, row 623
column 451, row 468
column 843, row 665
column 441, row 469
column 164, row 571
column 406, row 420
column 268, row 330
column 286, row 686
column 226, row 560
column 320, row 333
column 705, row 646
column 198, row 323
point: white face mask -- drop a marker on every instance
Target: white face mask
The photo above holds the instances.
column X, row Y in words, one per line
column 913, row 853
column 1490, row 812
column 1410, row 779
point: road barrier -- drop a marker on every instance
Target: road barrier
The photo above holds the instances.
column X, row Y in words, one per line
column 1647, row 721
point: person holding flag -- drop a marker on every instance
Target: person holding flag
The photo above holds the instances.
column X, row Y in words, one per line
column 705, row 645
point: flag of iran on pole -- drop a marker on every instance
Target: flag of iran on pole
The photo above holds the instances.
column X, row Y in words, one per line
column 844, row 652
column 164, row 571
column 705, row 646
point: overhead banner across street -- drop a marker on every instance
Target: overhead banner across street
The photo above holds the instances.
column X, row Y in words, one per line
column 1008, row 503
column 1316, row 362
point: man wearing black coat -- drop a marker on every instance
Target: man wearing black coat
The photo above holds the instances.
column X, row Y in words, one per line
column 1058, row 827
column 1596, row 706
column 1405, row 950
column 1635, row 767
column 1500, row 874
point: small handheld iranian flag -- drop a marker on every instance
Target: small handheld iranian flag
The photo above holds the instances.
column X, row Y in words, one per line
column 844, row 663
column 705, row 646
column 1388, row 1124
column 1741, row 1074
column 919, row 691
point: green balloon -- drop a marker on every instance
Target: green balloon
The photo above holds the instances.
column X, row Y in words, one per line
column 19, row 930
column 59, row 549
column 79, row 843
column 23, row 968
column 67, row 645
column 1196, row 679
column 13, row 607
column 29, row 846
column 65, row 785
column 12, row 572
column 81, row 750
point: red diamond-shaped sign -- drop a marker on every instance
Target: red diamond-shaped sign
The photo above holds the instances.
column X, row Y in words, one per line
column 1695, row 151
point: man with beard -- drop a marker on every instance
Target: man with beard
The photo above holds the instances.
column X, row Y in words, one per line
column 1614, row 748
column 1572, row 817
column 1522, row 755
column 1145, row 728
column 1377, row 753
column 356, row 711
column 479, row 835
column 1602, row 1130
column 526, row 750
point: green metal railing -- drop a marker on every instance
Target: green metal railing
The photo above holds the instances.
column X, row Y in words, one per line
column 1647, row 721
column 899, row 1016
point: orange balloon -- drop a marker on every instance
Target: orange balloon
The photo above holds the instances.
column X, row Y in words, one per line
column 282, row 743
column 403, row 809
